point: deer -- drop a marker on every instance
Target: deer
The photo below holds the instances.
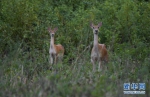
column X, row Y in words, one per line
column 99, row 52
column 56, row 51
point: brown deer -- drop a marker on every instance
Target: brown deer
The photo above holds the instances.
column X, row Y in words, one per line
column 99, row 51
column 56, row 51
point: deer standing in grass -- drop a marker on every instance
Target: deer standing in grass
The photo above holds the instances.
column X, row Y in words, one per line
column 56, row 51
column 99, row 51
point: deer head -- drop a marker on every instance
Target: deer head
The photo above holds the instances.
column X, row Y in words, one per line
column 96, row 27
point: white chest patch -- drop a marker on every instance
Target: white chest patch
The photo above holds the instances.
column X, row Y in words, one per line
column 95, row 54
column 52, row 50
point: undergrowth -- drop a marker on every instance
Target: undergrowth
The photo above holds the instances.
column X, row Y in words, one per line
column 27, row 74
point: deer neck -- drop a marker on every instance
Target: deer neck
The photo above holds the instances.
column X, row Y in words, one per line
column 95, row 41
column 52, row 42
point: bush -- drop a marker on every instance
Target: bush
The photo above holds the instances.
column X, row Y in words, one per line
column 24, row 41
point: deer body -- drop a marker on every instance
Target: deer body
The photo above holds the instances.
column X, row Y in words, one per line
column 56, row 51
column 99, row 51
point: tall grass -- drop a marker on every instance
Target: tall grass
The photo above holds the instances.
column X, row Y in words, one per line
column 27, row 74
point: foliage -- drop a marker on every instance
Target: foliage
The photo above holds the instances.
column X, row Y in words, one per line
column 24, row 42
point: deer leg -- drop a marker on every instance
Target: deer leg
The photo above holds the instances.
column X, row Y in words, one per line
column 51, row 59
column 93, row 62
column 99, row 65
column 60, row 58
column 55, row 59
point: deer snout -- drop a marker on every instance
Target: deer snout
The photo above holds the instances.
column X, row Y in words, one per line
column 52, row 35
column 96, row 31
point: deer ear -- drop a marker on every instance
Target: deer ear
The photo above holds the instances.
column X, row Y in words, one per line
column 91, row 25
column 55, row 29
column 49, row 29
column 100, row 24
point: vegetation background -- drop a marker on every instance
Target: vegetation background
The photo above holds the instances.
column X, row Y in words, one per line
column 24, row 47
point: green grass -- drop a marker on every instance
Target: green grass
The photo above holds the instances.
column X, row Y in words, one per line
column 27, row 74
